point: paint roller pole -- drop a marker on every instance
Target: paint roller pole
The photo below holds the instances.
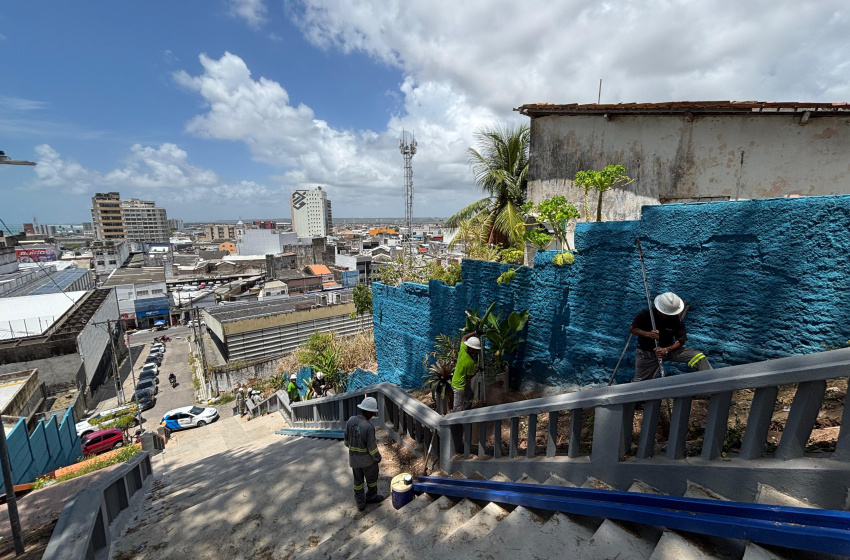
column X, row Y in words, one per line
column 622, row 354
column 649, row 304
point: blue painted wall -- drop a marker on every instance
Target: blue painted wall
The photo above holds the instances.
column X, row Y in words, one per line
column 764, row 278
column 50, row 446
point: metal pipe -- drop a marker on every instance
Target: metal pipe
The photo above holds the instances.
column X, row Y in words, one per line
column 622, row 354
column 649, row 304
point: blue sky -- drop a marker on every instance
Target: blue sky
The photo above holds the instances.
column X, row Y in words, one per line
column 218, row 109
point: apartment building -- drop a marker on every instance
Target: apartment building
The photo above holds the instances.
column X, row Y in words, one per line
column 218, row 232
column 311, row 213
column 107, row 216
column 144, row 222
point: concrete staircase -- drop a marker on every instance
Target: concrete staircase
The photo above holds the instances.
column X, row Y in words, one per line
column 292, row 498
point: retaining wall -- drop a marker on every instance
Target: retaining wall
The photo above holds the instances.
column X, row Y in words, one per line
column 765, row 279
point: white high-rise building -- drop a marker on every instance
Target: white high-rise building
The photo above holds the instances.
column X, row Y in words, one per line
column 144, row 222
column 311, row 213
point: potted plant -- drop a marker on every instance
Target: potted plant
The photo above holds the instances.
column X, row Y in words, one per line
column 504, row 339
column 440, row 364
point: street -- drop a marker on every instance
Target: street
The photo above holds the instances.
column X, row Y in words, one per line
column 176, row 360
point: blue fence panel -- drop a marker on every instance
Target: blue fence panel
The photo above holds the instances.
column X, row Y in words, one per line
column 40, row 451
column 51, row 432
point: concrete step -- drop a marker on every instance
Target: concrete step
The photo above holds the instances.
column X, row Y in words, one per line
column 675, row 545
column 465, row 536
column 377, row 532
column 618, row 539
column 555, row 480
column 425, row 536
column 402, row 532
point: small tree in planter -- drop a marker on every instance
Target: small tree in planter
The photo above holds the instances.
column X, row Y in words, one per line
column 504, row 341
column 554, row 214
column 441, row 370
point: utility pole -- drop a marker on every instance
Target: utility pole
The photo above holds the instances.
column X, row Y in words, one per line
column 407, row 147
column 119, row 389
column 133, row 373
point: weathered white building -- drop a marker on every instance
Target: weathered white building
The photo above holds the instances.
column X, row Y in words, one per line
column 690, row 151
column 311, row 213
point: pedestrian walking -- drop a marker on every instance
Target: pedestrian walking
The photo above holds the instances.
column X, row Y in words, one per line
column 363, row 454
column 671, row 335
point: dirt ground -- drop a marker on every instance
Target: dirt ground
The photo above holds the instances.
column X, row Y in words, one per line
column 822, row 440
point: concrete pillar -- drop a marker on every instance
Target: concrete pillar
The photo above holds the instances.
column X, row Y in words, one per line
column 679, row 427
column 607, row 434
column 531, row 439
column 801, row 419
column 552, row 435
column 715, row 425
column 648, row 429
column 574, row 449
column 842, row 446
column 758, row 423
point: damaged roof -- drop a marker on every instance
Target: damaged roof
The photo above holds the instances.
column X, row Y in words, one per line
column 684, row 107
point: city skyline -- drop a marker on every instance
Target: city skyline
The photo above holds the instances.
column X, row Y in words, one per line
column 227, row 107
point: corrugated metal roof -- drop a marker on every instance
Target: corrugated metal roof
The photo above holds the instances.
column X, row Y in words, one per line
column 682, row 107
column 33, row 315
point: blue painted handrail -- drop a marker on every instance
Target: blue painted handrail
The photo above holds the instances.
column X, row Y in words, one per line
column 799, row 528
column 330, row 434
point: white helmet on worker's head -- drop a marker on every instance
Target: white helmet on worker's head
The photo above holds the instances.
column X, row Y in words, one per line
column 293, row 377
column 369, row 404
column 473, row 342
column 320, row 375
column 669, row 303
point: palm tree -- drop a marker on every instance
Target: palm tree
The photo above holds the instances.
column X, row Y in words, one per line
column 500, row 165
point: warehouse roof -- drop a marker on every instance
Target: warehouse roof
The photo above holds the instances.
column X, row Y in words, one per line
column 144, row 275
column 684, row 107
column 33, row 315
column 252, row 310
column 52, row 283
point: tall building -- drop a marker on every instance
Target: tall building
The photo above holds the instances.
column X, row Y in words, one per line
column 311, row 213
column 107, row 216
column 217, row 232
column 144, row 222
column 175, row 224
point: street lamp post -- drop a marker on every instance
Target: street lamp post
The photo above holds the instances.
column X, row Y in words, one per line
column 5, row 465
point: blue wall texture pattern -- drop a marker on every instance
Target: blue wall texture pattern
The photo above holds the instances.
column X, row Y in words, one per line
column 50, row 446
column 764, row 279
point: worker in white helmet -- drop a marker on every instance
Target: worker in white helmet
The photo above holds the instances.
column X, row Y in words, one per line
column 292, row 389
column 671, row 336
column 318, row 384
column 363, row 454
column 465, row 369
column 240, row 401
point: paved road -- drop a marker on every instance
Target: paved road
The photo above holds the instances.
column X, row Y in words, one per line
column 176, row 360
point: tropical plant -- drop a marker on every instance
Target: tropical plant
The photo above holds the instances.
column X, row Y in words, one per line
column 403, row 270
column 539, row 238
column 511, row 256
column 507, row 276
column 609, row 177
column 446, row 349
column 557, row 215
column 362, row 297
column 474, row 323
column 439, row 380
column 500, row 166
column 504, row 334
column 279, row 381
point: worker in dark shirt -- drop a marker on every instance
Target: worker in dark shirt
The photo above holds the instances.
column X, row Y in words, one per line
column 670, row 334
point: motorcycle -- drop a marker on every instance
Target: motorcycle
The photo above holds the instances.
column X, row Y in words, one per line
column 162, row 339
column 173, row 380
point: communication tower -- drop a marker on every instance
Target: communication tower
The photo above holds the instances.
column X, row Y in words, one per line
column 407, row 146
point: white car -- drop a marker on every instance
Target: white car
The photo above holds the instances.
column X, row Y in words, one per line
column 188, row 417
column 151, row 367
column 84, row 427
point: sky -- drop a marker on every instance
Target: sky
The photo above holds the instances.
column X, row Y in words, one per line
column 219, row 109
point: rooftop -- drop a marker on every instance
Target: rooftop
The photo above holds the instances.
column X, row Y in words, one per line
column 684, row 107
column 252, row 310
column 318, row 269
column 33, row 315
column 144, row 275
column 52, row 283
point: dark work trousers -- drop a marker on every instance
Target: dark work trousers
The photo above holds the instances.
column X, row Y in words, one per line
column 367, row 476
column 646, row 363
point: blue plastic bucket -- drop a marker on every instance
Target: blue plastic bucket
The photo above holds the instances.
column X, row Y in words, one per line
column 402, row 490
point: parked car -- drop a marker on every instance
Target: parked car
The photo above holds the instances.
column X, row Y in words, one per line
column 144, row 399
column 158, row 346
column 149, row 374
column 151, row 367
column 160, row 328
column 103, row 440
column 149, row 384
column 85, row 427
column 154, row 359
column 188, row 417
column 156, row 350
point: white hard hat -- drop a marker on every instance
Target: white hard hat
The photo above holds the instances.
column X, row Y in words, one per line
column 474, row 343
column 293, row 377
column 369, row 404
column 320, row 375
column 669, row 303
column 241, row 389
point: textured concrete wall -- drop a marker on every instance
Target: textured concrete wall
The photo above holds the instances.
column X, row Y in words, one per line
column 764, row 278
column 674, row 159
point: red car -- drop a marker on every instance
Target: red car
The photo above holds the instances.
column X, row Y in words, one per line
column 103, row 440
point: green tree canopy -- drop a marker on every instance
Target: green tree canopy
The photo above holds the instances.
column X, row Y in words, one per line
column 601, row 181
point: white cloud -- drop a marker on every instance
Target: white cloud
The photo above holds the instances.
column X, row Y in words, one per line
column 503, row 54
column 20, row 104
column 163, row 173
column 362, row 170
column 252, row 11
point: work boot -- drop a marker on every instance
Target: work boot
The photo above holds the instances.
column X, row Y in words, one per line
column 375, row 499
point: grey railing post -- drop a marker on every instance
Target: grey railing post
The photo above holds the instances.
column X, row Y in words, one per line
column 842, row 446
column 552, row 435
column 315, row 413
column 341, row 410
column 445, row 448
column 715, row 425
column 531, row 445
column 382, row 413
column 467, row 440
column 514, row 443
column 758, row 423
column 497, row 439
column 648, row 429
column 801, row 419
column 607, row 433
column 628, row 428
column 679, row 427
column 482, row 439
column 574, row 445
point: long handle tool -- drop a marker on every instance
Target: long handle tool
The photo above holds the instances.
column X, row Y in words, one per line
column 622, row 354
column 649, row 304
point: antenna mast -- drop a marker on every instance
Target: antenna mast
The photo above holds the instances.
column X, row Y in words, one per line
column 407, row 147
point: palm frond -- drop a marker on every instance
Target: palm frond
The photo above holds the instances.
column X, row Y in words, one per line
column 467, row 212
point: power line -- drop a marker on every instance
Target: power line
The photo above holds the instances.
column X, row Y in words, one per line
column 62, row 290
